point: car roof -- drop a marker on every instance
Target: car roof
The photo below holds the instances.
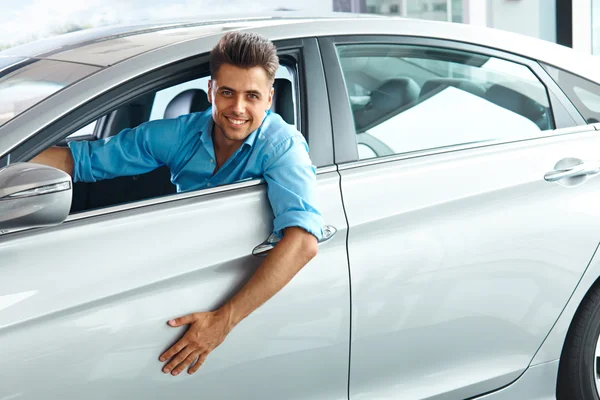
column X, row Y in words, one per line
column 106, row 46
column 194, row 27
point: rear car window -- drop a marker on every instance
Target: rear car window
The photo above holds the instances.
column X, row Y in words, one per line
column 583, row 93
column 407, row 98
column 26, row 82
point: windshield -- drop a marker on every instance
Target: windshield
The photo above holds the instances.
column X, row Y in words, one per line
column 26, row 82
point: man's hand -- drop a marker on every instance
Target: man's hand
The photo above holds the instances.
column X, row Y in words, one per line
column 207, row 330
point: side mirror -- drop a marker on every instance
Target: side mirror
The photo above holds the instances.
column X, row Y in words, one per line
column 33, row 195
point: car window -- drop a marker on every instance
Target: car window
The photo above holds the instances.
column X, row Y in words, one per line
column 171, row 102
column 165, row 96
column 583, row 93
column 87, row 130
column 407, row 98
column 197, row 100
column 27, row 82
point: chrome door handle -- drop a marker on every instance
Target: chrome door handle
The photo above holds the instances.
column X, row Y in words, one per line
column 262, row 249
column 581, row 169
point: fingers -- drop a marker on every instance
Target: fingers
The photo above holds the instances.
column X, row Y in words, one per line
column 176, row 348
column 188, row 319
column 198, row 364
column 189, row 359
column 177, row 364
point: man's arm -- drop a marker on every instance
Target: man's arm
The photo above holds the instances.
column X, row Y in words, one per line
column 57, row 157
column 208, row 329
column 130, row 152
column 291, row 188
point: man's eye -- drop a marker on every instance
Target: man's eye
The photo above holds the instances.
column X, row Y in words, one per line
column 253, row 96
column 226, row 93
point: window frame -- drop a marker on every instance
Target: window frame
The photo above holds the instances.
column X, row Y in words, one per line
column 308, row 72
column 346, row 150
column 568, row 89
column 288, row 59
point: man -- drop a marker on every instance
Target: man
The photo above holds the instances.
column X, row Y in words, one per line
column 237, row 138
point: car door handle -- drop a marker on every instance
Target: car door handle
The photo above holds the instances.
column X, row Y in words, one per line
column 571, row 168
column 263, row 249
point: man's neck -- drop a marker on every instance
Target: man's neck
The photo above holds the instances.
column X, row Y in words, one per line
column 223, row 147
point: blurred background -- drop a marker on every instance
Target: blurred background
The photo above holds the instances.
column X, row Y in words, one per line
column 573, row 23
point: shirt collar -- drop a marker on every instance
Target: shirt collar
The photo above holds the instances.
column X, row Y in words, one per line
column 206, row 126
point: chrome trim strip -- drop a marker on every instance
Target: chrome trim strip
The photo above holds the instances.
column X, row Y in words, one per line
column 450, row 149
column 71, row 62
column 178, row 196
column 326, row 169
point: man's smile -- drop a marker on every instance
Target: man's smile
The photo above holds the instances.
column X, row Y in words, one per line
column 236, row 121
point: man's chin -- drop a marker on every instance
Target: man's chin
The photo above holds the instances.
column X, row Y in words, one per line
column 237, row 135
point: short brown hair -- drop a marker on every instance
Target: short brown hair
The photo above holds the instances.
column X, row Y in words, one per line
column 244, row 50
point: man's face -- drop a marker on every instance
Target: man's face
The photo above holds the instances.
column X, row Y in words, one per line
column 239, row 100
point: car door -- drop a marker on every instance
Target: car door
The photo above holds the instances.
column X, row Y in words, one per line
column 84, row 305
column 464, row 241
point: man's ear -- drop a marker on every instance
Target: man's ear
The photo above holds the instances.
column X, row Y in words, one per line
column 271, row 93
column 210, row 91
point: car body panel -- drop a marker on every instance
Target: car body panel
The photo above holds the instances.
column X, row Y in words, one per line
column 84, row 305
column 537, row 383
column 553, row 345
column 116, row 50
column 462, row 265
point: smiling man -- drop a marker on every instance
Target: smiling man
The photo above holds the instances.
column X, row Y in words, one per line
column 237, row 138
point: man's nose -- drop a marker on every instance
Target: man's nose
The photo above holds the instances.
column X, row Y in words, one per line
column 239, row 105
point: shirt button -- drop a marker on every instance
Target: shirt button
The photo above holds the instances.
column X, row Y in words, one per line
column 212, row 161
column 208, row 184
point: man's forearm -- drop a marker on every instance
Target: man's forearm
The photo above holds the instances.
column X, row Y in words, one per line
column 282, row 263
column 57, row 157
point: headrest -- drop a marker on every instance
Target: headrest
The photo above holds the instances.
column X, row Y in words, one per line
column 389, row 97
column 515, row 102
column 283, row 101
column 189, row 101
column 436, row 85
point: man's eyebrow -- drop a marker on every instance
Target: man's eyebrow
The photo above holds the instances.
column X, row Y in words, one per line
column 256, row 92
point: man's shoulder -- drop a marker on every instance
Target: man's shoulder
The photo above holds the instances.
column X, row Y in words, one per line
column 275, row 132
column 193, row 121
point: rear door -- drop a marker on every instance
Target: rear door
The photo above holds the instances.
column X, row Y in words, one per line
column 84, row 306
column 462, row 255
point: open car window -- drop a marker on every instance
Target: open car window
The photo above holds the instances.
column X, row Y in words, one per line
column 170, row 102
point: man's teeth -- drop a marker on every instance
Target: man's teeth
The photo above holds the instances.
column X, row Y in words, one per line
column 236, row 121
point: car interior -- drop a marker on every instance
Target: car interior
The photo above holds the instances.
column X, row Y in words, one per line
column 398, row 94
column 125, row 189
column 382, row 87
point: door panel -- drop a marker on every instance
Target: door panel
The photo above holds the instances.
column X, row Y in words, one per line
column 461, row 262
column 84, row 305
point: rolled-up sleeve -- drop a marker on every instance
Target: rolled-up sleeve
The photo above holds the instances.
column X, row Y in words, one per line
column 131, row 152
column 292, row 189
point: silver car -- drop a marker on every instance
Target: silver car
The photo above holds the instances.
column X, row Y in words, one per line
column 457, row 177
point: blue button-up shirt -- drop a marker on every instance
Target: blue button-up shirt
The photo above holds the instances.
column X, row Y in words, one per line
column 275, row 151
